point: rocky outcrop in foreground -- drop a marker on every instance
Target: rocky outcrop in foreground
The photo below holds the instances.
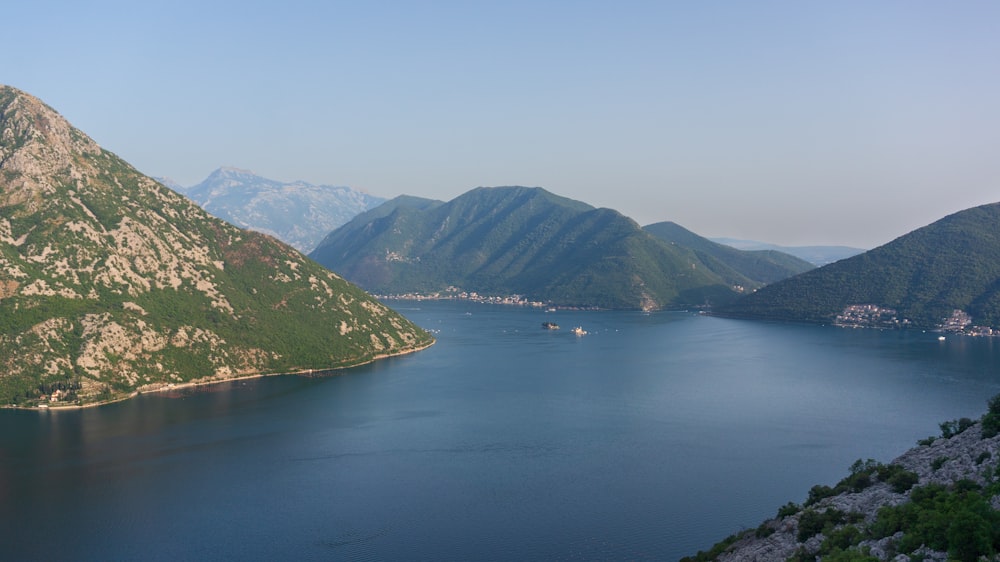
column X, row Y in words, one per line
column 937, row 501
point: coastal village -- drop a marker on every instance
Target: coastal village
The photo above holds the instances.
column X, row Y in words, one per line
column 874, row 316
column 961, row 323
column 869, row 316
column 454, row 293
column 853, row 316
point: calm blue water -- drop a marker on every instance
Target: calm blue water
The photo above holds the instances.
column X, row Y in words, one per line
column 650, row 438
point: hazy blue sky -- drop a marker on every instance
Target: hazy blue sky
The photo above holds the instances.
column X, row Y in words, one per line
column 791, row 122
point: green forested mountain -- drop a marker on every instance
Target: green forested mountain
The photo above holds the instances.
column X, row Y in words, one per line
column 924, row 276
column 520, row 240
column 760, row 266
column 112, row 283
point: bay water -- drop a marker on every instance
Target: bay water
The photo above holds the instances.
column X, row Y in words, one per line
column 650, row 438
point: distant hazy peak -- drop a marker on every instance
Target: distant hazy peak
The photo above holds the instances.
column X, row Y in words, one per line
column 235, row 170
column 299, row 213
column 224, row 173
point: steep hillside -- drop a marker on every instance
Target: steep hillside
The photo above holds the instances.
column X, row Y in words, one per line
column 111, row 283
column 297, row 213
column 938, row 501
column 919, row 280
column 761, row 266
column 519, row 240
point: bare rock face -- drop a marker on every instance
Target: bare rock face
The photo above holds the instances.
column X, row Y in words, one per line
column 111, row 283
column 297, row 213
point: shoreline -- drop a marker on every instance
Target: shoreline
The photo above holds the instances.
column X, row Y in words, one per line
column 167, row 387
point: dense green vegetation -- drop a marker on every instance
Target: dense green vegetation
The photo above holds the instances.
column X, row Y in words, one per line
column 991, row 421
column 956, row 519
column 527, row 241
column 951, row 264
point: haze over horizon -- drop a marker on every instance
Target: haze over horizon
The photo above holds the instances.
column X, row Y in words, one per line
column 850, row 123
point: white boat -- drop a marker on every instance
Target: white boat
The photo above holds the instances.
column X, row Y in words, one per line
column 579, row 331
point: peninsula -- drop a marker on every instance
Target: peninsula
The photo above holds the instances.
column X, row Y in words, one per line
column 112, row 284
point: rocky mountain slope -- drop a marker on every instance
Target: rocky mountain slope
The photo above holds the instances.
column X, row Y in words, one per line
column 111, row 283
column 297, row 213
column 919, row 280
column 938, row 501
column 525, row 241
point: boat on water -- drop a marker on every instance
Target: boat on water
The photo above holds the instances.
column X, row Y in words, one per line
column 579, row 331
column 550, row 325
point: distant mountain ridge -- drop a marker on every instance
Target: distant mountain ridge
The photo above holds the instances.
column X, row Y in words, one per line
column 816, row 255
column 111, row 283
column 763, row 266
column 297, row 213
column 527, row 241
column 920, row 279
